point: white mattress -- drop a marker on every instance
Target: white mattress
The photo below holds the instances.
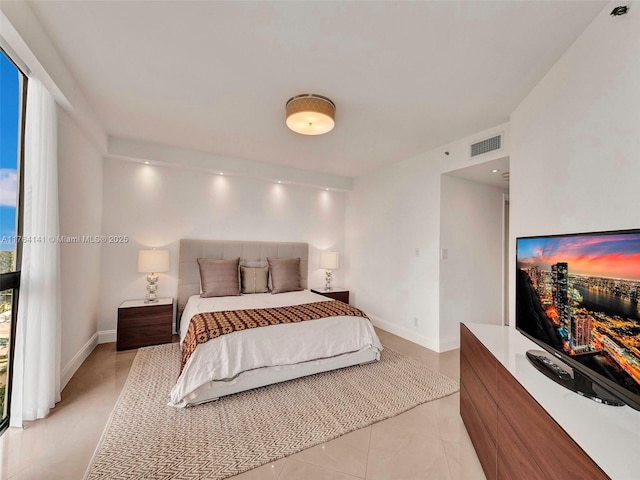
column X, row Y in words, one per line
column 226, row 358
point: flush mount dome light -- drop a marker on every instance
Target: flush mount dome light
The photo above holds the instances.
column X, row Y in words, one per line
column 310, row 114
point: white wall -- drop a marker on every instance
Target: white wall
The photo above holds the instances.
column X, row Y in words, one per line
column 156, row 206
column 393, row 239
column 80, row 207
column 575, row 162
column 471, row 275
column 391, row 213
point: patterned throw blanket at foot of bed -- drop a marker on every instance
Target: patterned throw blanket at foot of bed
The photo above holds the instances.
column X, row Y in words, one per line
column 206, row 326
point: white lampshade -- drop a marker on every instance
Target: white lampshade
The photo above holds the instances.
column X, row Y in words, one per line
column 329, row 260
column 153, row 261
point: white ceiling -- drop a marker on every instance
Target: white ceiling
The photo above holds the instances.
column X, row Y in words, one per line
column 406, row 77
column 488, row 173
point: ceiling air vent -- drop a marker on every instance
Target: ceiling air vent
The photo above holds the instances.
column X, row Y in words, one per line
column 486, row 146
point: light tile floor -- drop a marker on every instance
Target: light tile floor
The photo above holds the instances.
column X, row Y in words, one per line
column 427, row 442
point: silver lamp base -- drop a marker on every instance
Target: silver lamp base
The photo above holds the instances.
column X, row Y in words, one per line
column 152, row 288
column 327, row 280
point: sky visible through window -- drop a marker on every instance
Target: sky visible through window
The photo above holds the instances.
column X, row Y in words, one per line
column 9, row 119
column 10, row 85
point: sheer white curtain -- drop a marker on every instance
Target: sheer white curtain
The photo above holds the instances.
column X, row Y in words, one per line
column 36, row 370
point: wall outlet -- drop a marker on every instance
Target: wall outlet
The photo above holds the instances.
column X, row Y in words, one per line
column 415, row 321
column 417, row 252
column 444, row 254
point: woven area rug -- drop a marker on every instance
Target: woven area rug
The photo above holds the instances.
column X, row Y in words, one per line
column 146, row 439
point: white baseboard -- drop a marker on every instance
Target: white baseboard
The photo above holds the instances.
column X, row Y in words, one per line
column 73, row 365
column 450, row 344
column 405, row 333
column 107, row 336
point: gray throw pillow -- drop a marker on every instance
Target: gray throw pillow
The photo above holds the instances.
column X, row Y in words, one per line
column 219, row 278
column 285, row 274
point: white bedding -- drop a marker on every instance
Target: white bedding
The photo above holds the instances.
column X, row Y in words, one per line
column 225, row 358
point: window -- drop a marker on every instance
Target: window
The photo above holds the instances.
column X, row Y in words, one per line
column 12, row 102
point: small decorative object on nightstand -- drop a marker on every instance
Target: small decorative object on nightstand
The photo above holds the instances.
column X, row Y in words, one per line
column 141, row 324
column 336, row 293
column 328, row 261
column 152, row 262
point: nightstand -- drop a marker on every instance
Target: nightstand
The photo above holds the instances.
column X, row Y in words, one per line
column 142, row 324
column 337, row 293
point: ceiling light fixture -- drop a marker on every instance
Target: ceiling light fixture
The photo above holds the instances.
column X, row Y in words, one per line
column 310, row 114
column 495, row 170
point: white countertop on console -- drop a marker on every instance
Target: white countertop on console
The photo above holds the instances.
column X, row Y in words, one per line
column 609, row 435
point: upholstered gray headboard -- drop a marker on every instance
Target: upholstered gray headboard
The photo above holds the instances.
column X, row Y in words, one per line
column 250, row 253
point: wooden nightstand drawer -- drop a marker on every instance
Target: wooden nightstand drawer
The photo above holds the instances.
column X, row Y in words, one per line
column 141, row 325
column 337, row 293
column 144, row 316
column 142, row 337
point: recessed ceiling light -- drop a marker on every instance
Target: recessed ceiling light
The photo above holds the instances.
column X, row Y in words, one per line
column 221, row 173
column 279, row 181
column 495, row 170
column 146, row 163
column 327, row 189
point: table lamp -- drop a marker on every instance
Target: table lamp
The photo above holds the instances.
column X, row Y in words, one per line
column 328, row 261
column 152, row 262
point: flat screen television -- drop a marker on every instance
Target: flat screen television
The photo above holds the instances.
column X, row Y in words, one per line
column 578, row 297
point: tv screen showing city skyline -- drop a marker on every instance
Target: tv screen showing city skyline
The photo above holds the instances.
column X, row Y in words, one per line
column 579, row 294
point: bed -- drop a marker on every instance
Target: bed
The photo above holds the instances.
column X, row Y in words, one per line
column 255, row 357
